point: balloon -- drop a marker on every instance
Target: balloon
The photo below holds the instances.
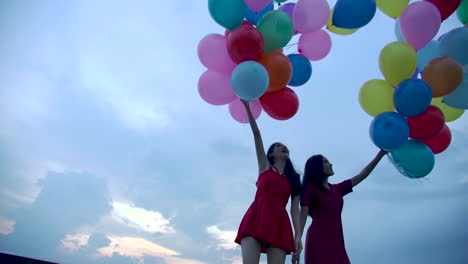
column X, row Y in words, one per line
column 238, row 112
column 426, row 125
column 254, row 17
column 245, row 43
column 277, row 30
column 352, row 14
column 440, row 142
column 412, row 97
column 405, row 161
column 279, row 69
column 389, row 130
column 397, row 62
column 215, row 88
column 227, row 13
column 257, row 5
column 459, row 97
column 280, row 1
column 314, row 45
column 443, row 75
column 288, row 8
column 428, row 53
column 462, row 12
column 446, row 7
column 301, row 69
column 310, row 15
column 281, row 104
column 415, row 74
column 245, row 22
column 454, row 45
column 419, row 23
column 392, row 8
column 336, row 30
column 249, row 80
column 397, row 30
column 450, row 113
column 213, row 54
column 376, row 97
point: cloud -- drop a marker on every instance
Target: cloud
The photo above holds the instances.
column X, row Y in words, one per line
column 6, row 226
column 135, row 247
column 225, row 238
column 146, row 220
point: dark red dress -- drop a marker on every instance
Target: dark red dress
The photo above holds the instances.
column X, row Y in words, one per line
column 324, row 243
column 267, row 220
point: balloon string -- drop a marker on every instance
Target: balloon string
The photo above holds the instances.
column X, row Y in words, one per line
column 290, row 45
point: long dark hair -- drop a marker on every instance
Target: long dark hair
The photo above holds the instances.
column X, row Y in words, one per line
column 313, row 172
column 289, row 171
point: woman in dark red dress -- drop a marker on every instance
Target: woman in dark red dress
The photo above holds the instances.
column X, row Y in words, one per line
column 266, row 227
column 324, row 202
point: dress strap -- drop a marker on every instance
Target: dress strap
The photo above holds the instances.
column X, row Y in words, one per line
column 273, row 167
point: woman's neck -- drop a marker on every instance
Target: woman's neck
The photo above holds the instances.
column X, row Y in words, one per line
column 325, row 183
column 280, row 164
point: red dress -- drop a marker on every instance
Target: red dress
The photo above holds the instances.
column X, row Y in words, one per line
column 324, row 242
column 267, row 220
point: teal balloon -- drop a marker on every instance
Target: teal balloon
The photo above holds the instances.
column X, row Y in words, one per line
column 428, row 53
column 249, row 80
column 454, row 45
column 277, row 30
column 459, row 97
column 227, row 13
column 414, row 159
column 398, row 34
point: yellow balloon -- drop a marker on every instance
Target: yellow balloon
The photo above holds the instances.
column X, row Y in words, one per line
column 397, row 62
column 450, row 113
column 337, row 30
column 392, row 8
column 376, row 96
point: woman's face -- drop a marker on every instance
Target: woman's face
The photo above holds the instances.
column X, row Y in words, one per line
column 327, row 167
column 280, row 151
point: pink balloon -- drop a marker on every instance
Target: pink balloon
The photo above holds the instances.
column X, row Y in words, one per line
column 257, row 5
column 237, row 110
column 213, row 53
column 314, row 45
column 310, row 15
column 215, row 88
column 419, row 23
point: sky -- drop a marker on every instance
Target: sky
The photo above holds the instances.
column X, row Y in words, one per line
column 109, row 155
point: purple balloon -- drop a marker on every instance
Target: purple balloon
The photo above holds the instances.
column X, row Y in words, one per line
column 288, row 8
column 415, row 73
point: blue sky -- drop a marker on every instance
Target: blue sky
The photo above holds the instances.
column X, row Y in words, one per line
column 109, row 155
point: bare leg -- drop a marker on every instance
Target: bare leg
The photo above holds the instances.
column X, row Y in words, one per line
column 276, row 255
column 250, row 250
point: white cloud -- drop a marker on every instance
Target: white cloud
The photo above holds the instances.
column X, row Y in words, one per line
column 6, row 226
column 135, row 247
column 140, row 218
column 225, row 238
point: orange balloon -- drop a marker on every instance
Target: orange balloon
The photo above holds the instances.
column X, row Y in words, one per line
column 443, row 75
column 279, row 69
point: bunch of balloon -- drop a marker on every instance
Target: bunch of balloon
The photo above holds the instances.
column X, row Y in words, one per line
column 248, row 61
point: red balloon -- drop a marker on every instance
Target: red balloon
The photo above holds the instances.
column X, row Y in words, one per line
column 245, row 43
column 281, row 104
column 227, row 31
column 446, row 7
column 440, row 142
column 426, row 125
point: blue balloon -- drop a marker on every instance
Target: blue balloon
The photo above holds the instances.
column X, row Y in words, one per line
column 253, row 17
column 227, row 13
column 459, row 97
column 428, row 53
column 454, row 44
column 389, row 130
column 352, row 14
column 397, row 29
column 414, row 159
column 412, row 97
column 249, row 80
column 301, row 69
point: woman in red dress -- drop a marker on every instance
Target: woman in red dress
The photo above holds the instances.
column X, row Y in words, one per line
column 324, row 202
column 266, row 227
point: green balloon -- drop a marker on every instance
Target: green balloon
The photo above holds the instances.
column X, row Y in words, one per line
column 462, row 12
column 277, row 30
column 414, row 159
column 280, row 1
column 227, row 13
